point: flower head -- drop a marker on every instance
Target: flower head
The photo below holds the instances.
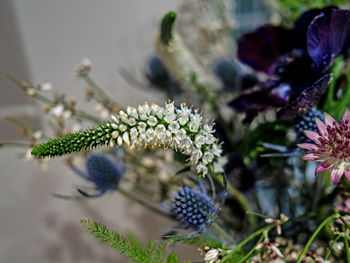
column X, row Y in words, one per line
column 296, row 61
column 331, row 146
column 192, row 207
column 307, row 122
column 102, row 172
column 180, row 128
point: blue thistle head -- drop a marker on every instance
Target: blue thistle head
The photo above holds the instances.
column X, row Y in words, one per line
column 307, row 122
column 192, row 207
column 104, row 173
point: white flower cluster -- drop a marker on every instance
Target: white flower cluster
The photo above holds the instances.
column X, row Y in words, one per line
column 178, row 128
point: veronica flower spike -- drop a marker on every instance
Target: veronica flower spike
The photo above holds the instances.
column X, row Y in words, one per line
column 182, row 129
column 331, row 146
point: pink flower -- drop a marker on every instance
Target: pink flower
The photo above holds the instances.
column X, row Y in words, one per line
column 331, row 146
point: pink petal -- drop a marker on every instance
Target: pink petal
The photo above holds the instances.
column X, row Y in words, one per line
column 321, row 127
column 323, row 167
column 347, row 203
column 311, row 157
column 346, row 115
column 329, row 120
column 308, row 146
column 347, row 175
column 312, row 135
column 336, row 174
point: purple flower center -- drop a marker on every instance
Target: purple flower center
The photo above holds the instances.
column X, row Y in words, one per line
column 338, row 140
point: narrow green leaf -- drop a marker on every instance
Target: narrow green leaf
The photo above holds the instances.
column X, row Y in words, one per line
column 166, row 27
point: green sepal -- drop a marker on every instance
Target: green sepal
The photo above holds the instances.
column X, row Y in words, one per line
column 166, row 27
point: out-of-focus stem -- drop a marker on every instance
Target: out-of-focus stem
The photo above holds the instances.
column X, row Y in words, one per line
column 318, row 229
column 239, row 197
column 222, row 231
column 14, row 144
column 331, row 247
column 39, row 97
column 99, row 91
column 246, row 240
column 346, row 241
column 143, row 203
column 247, row 256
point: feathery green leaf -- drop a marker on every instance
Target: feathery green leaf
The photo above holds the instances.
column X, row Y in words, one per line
column 129, row 247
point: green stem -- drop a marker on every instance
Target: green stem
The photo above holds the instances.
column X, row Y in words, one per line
column 222, row 231
column 83, row 115
column 344, row 221
column 331, row 247
column 346, row 240
column 39, row 97
column 256, row 214
column 212, row 185
column 252, row 250
column 20, row 124
column 15, row 144
column 143, row 203
column 319, row 228
column 241, row 199
column 246, row 240
column 101, row 93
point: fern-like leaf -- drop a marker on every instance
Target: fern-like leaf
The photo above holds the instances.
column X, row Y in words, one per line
column 129, row 247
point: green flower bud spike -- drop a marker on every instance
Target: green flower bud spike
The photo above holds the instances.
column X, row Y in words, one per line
column 181, row 129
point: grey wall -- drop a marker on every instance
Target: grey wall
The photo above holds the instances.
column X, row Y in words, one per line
column 41, row 41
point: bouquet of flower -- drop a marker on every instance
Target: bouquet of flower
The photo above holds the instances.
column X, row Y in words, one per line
column 239, row 187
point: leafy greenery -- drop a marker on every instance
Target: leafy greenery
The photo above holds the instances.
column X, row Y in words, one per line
column 290, row 10
column 336, row 104
column 251, row 144
column 172, row 258
column 130, row 247
column 199, row 241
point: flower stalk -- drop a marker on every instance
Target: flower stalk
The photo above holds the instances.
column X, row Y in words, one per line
column 151, row 126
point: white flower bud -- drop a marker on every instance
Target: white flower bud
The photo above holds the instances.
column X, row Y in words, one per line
column 152, row 121
column 126, row 138
column 115, row 134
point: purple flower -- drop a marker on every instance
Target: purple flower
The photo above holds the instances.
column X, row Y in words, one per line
column 296, row 61
column 103, row 173
column 331, row 146
column 192, row 207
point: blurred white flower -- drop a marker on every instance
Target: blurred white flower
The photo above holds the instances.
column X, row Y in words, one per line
column 45, row 86
column 57, row 111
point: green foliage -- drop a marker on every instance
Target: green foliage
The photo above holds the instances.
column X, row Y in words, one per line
column 166, row 27
column 334, row 104
column 250, row 146
column 130, row 247
column 172, row 258
column 74, row 142
column 199, row 241
column 290, row 10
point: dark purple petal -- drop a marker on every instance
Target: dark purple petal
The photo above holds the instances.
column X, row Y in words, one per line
column 301, row 25
column 327, row 36
column 256, row 100
column 306, row 100
column 261, row 48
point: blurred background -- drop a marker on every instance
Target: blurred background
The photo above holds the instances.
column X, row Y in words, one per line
column 42, row 41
